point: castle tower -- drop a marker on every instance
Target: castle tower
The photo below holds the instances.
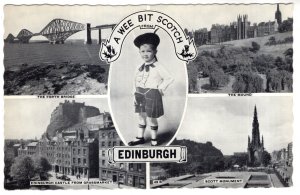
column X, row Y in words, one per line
column 245, row 26
column 278, row 15
column 239, row 27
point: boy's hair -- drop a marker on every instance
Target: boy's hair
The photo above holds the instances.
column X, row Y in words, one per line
column 153, row 47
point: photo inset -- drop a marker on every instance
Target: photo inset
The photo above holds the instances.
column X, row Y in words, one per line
column 147, row 88
column 232, row 142
column 64, row 143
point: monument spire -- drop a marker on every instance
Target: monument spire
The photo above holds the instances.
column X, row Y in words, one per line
column 255, row 129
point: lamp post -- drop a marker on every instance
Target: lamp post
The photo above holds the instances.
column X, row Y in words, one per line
column 88, row 172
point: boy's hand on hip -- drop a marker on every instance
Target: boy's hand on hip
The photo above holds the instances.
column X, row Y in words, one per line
column 161, row 92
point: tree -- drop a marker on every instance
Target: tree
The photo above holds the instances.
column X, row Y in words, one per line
column 247, row 82
column 263, row 63
column 289, row 59
column 286, row 25
column 266, row 158
column 218, row 78
column 23, row 171
column 255, row 47
column 193, row 76
column 272, row 40
column 289, row 52
column 280, row 63
column 41, row 167
column 8, row 161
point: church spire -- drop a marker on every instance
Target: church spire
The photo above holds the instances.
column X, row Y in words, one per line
column 278, row 15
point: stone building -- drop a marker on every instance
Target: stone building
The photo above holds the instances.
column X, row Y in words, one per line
column 239, row 29
column 290, row 154
column 78, row 146
column 28, row 150
column 201, row 36
column 256, row 145
column 132, row 174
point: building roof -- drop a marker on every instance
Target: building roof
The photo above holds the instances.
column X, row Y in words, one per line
column 33, row 144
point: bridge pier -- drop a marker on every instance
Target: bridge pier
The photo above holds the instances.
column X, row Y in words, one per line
column 99, row 38
column 88, row 34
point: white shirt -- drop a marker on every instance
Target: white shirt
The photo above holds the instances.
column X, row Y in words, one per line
column 156, row 78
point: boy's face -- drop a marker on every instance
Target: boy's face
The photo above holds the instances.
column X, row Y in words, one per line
column 147, row 52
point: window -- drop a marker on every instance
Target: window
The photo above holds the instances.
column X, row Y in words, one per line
column 79, row 160
column 74, row 151
column 103, row 144
column 109, row 143
column 114, row 143
column 139, row 167
column 84, row 161
column 103, row 135
column 103, row 152
column 84, row 151
column 78, row 151
column 130, row 166
column 109, row 135
column 121, row 165
column 74, row 160
column 103, row 162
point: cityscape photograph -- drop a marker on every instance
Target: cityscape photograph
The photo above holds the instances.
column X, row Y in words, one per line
column 67, row 141
column 233, row 142
column 245, row 55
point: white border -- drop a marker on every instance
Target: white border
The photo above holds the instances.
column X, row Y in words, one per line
column 251, row 191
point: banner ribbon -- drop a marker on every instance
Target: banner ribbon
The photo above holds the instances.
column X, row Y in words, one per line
column 184, row 46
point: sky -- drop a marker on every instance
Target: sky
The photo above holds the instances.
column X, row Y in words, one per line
column 227, row 121
column 29, row 118
column 35, row 18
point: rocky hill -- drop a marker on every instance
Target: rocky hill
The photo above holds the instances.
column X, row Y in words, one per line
column 68, row 114
column 201, row 158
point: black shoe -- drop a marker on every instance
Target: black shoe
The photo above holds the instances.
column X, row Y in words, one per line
column 154, row 144
column 140, row 140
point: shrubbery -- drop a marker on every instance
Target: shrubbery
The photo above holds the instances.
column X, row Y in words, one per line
column 218, row 65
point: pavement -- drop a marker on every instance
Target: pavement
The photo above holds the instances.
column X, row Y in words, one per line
column 275, row 181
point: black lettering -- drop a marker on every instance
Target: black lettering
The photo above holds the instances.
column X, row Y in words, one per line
column 130, row 23
column 138, row 154
column 173, row 153
column 117, row 40
column 158, row 154
column 127, row 154
column 145, row 154
column 121, row 154
column 159, row 19
column 121, row 30
column 179, row 39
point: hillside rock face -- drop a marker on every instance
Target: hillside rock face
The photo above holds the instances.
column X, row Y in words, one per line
column 68, row 114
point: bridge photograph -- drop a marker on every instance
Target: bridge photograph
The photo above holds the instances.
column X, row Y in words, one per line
column 55, row 49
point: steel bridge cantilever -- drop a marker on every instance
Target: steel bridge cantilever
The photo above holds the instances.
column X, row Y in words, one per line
column 58, row 30
column 24, row 35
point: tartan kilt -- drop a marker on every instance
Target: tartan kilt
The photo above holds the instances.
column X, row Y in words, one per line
column 149, row 101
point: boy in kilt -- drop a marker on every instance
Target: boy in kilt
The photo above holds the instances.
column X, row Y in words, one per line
column 150, row 82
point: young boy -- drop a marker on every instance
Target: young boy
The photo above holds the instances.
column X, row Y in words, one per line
column 150, row 82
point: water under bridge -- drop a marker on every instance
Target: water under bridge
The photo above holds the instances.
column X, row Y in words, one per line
column 58, row 30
